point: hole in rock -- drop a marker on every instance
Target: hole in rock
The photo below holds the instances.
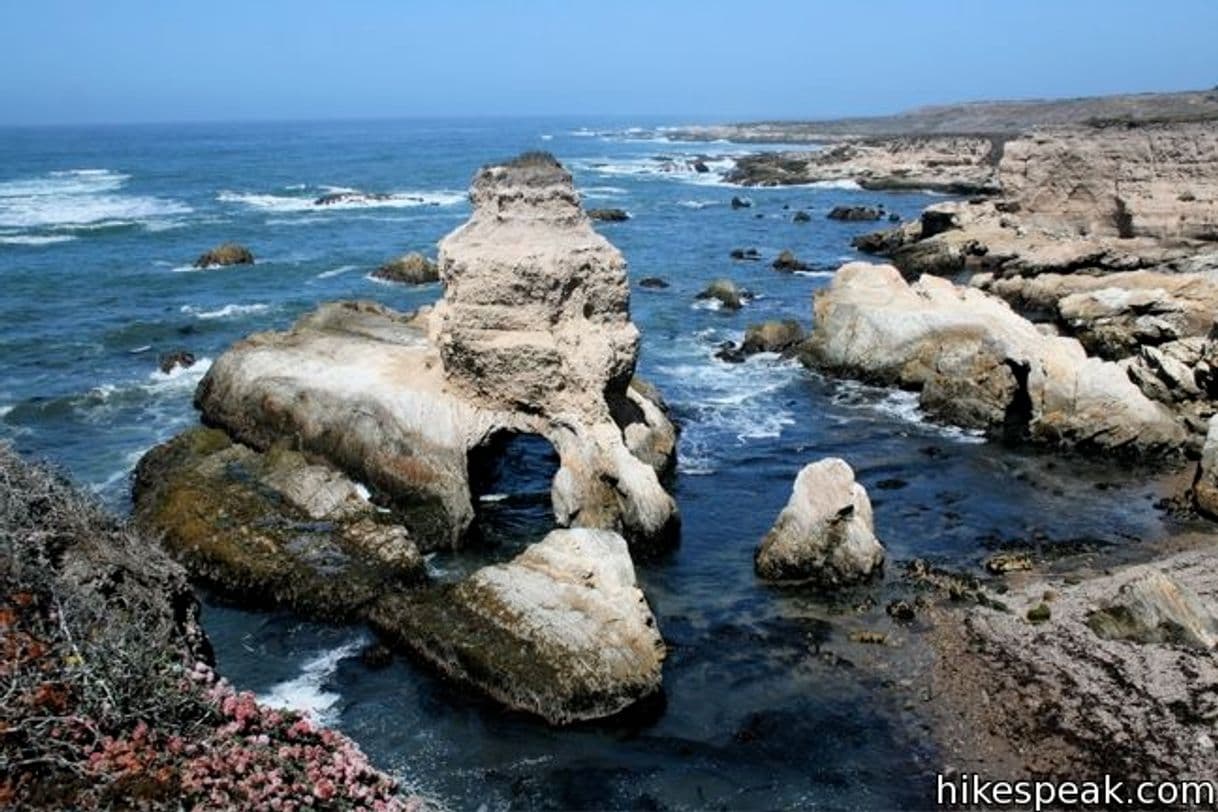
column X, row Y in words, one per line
column 510, row 476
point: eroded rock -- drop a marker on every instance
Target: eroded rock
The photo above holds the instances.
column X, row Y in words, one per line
column 978, row 364
column 825, row 534
column 410, row 269
column 562, row 631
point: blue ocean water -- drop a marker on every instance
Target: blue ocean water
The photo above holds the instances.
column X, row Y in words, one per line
column 764, row 707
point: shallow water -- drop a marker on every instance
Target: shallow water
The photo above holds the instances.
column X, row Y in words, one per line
column 762, row 706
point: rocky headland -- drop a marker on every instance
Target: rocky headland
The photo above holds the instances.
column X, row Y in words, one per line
column 338, row 452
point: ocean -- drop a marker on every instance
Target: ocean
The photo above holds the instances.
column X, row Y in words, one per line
column 767, row 704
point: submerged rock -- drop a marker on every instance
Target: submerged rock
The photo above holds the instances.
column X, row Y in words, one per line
column 741, row 202
column 740, row 254
column 978, row 364
column 562, row 631
column 409, row 269
column 229, row 253
column 801, row 217
column 653, row 282
column 609, row 215
column 825, row 534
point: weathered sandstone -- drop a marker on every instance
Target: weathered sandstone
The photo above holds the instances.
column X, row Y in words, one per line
column 825, row 534
column 561, row 631
column 977, row 363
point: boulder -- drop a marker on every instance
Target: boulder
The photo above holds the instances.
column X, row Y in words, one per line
column 562, row 631
column 609, row 215
column 741, row 202
column 178, row 359
column 787, row 261
column 228, row 253
column 978, row 364
column 1205, row 483
column 825, row 534
column 855, row 213
column 1153, row 607
column 740, row 254
column 726, row 292
column 653, row 282
column 409, row 269
column 772, row 336
column 274, row 528
column 533, row 336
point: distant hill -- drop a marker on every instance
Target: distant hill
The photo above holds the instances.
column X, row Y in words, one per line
column 997, row 118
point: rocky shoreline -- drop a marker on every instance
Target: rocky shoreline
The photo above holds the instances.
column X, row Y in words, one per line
column 1069, row 302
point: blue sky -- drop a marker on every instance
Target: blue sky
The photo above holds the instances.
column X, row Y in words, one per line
column 65, row 61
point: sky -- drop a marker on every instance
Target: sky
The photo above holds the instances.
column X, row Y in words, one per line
column 113, row 61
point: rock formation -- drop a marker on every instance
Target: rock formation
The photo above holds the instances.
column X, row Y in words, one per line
column 1153, row 607
column 979, row 364
column 533, row 336
column 340, row 449
column 1205, row 484
column 952, row 164
column 228, row 253
column 825, row 534
column 409, row 269
column 561, row 631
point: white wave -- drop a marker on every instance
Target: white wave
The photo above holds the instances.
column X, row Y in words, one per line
column 901, row 405
column 736, row 399
column 4, row 410
column 308, row 202
column 844, row 183
column 816, row 274
column 306, row 693
column 226, row 311
column 547, row 137
column 602, row 192
column 34, row 239
column 140, row 349
column 339, row 271
column 179, row 377
column 697, row 204
column 677, row 167
column 77, row 199
column 492, row 497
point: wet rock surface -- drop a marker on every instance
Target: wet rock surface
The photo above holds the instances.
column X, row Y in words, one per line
column 228, row 253
column 410, row 269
